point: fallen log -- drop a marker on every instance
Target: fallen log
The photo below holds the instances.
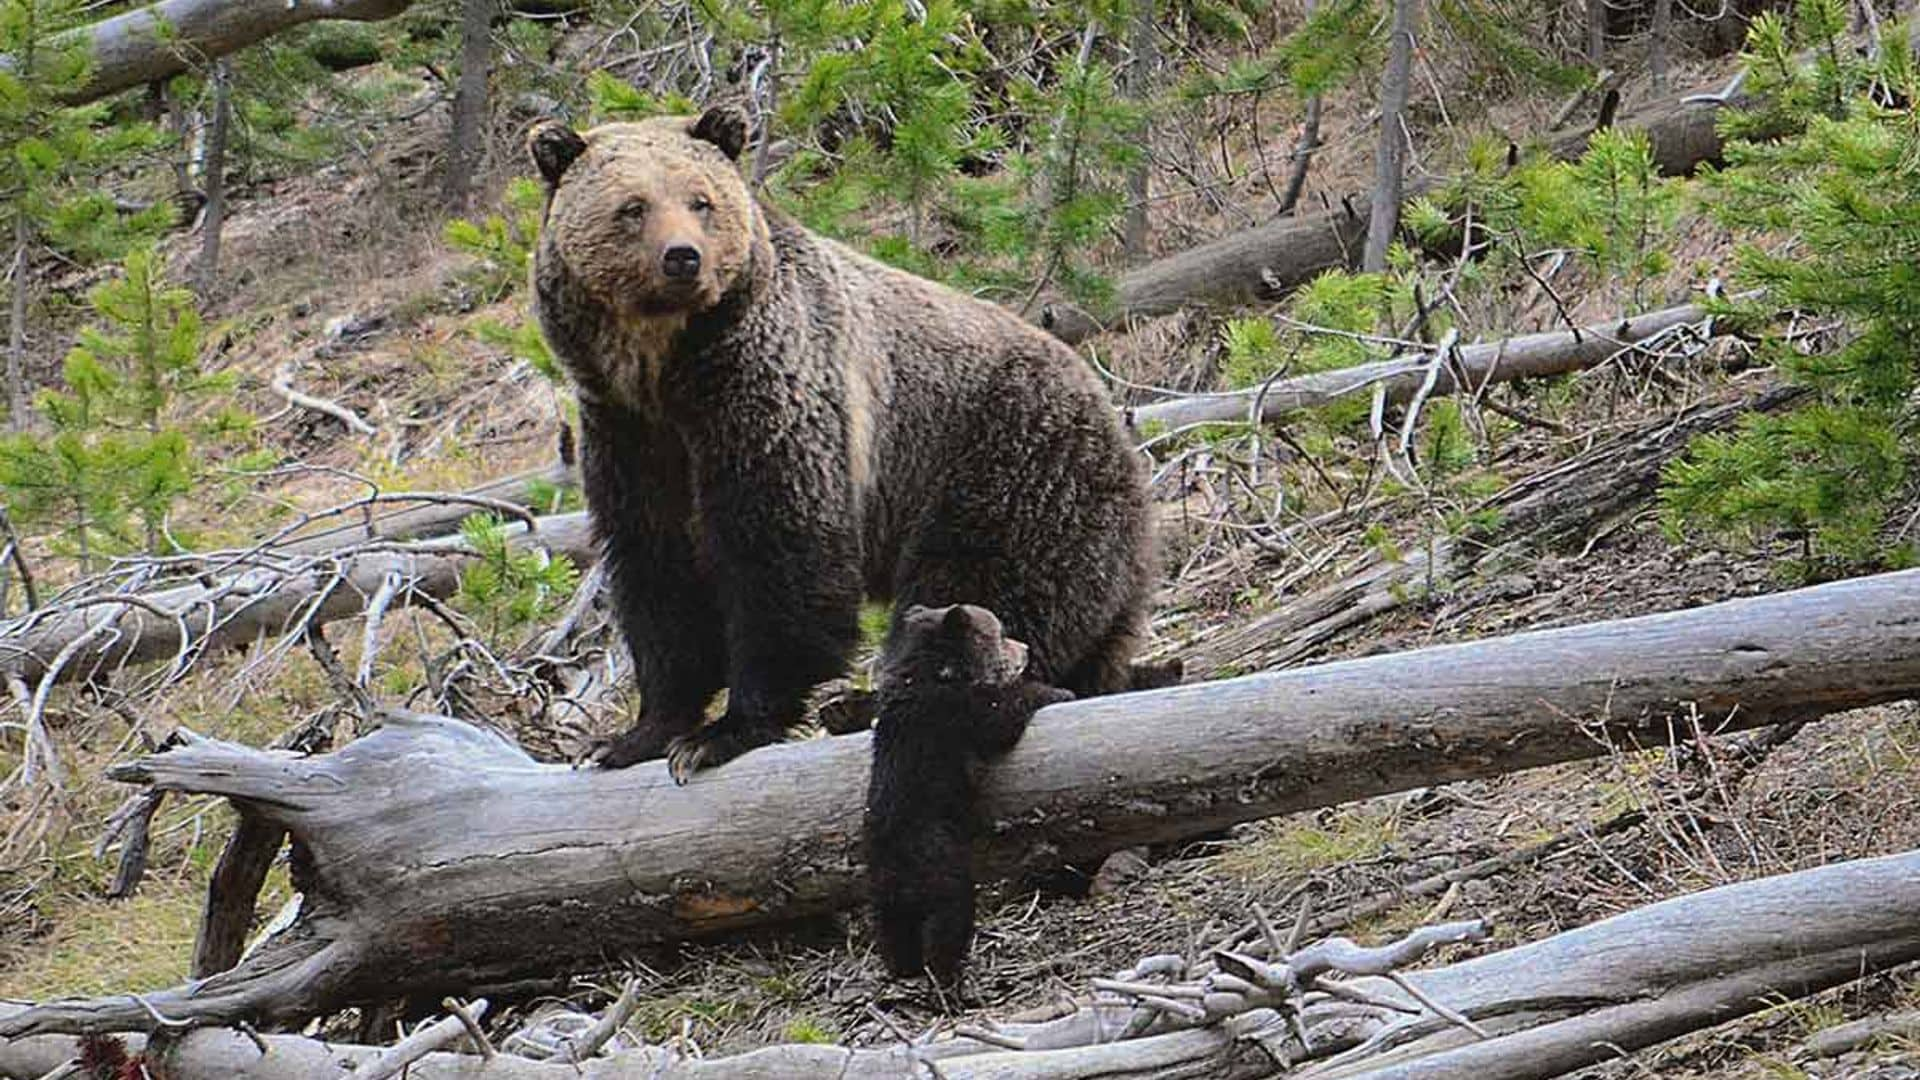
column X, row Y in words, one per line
column 1529, row 356
column 437, row 858
column 1574, row 999
column 272, row 594
column 433, row 515
column 1257, row 263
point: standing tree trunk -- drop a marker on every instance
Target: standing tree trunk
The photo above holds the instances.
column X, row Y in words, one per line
column 1596, row 33
column 1390, row 162
column 771, row 105
column 1139, row 81
column 214, row 179
column 182, row 128
column 469, row 102
column 17, row 327
column 1659, row 40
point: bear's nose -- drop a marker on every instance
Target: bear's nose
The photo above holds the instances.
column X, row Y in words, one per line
column 681, row 262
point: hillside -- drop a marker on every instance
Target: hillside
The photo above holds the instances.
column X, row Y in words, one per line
column 1325, row 535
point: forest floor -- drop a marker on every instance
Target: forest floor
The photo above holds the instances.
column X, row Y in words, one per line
column 342, row 280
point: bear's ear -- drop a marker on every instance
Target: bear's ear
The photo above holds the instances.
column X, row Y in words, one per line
column 958, row 621
column 553, row 146
column 725, row 126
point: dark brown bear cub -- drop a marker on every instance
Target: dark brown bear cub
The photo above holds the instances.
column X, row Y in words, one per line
column 953, row 690
column 774, row 425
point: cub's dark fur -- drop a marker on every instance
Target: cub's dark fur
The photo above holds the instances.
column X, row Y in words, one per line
column 953, row 689
column 774, row 425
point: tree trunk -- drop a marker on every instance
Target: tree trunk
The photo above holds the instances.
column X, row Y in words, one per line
column 1597, row 33
column 1659, row 41
column 17, row 405
column 1139, row 88
column 1554, row 352
column 1389, row 166
column 174, row 36
column 469, row 103
column 214, row 179
column 274, row 595
column 1267, row 261
column 437, row 858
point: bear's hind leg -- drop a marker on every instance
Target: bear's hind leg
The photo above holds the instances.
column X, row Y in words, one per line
column 899, row 937
column 949, row 929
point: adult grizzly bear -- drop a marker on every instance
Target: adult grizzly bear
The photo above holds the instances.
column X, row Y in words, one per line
column 773, row 424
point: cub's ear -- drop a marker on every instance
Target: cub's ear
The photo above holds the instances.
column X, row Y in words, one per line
column 553, row 146
column 958, row 621
column 725, row 126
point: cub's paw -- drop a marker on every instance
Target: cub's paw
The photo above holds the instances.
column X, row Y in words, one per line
column 716, row 744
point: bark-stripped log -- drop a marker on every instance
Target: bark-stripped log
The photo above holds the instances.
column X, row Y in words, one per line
column 436, row 858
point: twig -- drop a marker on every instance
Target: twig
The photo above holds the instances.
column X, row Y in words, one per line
column 370, row 631
column 609, row 1025
column 281, row 384
column 467, row 1020
column 435, row 1036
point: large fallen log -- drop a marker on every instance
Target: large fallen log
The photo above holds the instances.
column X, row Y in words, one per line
column 437, row 858
column 1529, row 356
column 1579, row 997
column 272, row 594
column 1259, row 262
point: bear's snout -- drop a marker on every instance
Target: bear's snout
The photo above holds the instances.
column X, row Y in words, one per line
column 681, row 263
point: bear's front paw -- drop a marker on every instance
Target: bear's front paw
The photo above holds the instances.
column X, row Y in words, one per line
column 643, row 742
column 716, row 744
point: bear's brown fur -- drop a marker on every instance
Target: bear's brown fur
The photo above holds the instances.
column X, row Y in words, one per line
column 774, row 424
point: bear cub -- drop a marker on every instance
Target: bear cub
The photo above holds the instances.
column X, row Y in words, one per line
column 953, row 689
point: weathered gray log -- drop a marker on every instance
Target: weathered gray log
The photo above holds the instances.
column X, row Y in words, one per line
column 235, row 609
column 428, row 518
column 437, row 858
column 1555, row 352
column 1282, row 255
column 1579, row 997
column 1655, row 973
column 164, row 39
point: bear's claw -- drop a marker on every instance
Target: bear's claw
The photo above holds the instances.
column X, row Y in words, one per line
column 716, row 744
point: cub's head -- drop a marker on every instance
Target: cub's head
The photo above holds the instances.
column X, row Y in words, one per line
column 958, row 646
column 653, row 218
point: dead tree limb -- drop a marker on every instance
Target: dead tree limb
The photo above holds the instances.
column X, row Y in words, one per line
column 436, row 858
column 271, row 595
column 1528, row 356
column 157, row 42
column 432, row 514
column 1546, row 511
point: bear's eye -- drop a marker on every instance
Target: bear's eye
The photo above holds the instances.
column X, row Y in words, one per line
column 633, row 209
column 700, row 204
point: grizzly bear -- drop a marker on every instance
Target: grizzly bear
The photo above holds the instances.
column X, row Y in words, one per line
column 774, row 425
column 953, row 690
